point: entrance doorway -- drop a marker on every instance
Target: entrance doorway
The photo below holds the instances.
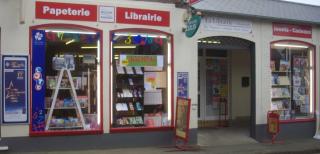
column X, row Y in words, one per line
column 226, row 92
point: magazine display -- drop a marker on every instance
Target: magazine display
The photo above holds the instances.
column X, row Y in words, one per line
column 290, row 82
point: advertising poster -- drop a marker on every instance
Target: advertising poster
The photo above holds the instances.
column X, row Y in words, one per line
column 38, row 80
column 182, row 118
column 183, row 79
column 15, row 89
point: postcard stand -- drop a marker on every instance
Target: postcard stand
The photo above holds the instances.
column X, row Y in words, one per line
column 73, row 94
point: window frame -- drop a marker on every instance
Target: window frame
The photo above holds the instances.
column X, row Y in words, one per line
column 314, row 86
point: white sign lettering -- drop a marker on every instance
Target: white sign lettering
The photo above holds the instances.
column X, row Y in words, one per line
column 68, row 11
column 143, row 17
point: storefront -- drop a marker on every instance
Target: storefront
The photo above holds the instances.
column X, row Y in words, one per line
column 101, row 72
column 283, row 76
column 106, row 72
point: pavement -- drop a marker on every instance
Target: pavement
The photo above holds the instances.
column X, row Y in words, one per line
column 303, row 146
column 215, row 141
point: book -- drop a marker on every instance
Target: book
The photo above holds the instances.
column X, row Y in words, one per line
column 275, row 79
column 129, row 70
column 138, row 70
column 296, row 80
column 120, row 70
column 284, row 80
column 284, row 65
column 273, row 65
column 138, row 106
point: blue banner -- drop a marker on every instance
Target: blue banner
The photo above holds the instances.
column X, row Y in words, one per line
column 183, row 79
column 38, row 79
column 15, row 89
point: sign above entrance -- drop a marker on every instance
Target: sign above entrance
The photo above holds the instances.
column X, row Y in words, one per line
column 292, row 30
column 225, row 24
column 143, row 17
column 193, row 25
column 66, row 11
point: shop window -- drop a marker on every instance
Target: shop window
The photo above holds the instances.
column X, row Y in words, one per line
column 292, row 78
column 66, row 80
column 141, row 80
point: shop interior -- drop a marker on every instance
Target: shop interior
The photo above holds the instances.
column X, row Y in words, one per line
column 292, row 88
column 141, row 80
column 72, row 80
column 225, row 85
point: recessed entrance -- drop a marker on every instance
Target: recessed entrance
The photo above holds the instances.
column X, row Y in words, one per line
column 226, row 90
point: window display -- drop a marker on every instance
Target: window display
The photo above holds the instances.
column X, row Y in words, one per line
column 141, row 80
column 292, row 80
column 67, row 62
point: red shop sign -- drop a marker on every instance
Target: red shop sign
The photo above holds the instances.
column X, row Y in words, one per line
column 143, row 17
column 193, row 1
column 281, row 29
column 66, row 11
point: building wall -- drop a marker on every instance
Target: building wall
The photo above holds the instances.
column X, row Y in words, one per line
column 240, row 96
column 15, row 40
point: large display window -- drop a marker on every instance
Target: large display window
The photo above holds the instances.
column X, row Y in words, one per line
column 66, row 80
column 141, row 71
column 293, row 80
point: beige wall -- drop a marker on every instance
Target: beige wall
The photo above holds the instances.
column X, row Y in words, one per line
column 15, row 39
column 240, row 96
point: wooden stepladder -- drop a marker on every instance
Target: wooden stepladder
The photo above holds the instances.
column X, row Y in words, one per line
column 73, row 95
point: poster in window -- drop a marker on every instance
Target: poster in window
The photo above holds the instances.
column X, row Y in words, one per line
column 15, row 89
column 182, row 118
column 182, row 90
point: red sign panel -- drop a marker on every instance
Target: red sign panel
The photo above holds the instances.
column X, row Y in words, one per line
column 193, row 1
column 143, row 17
column 303, row 31
column 66, row 11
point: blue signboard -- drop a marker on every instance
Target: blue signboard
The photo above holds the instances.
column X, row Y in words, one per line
column 15, row 89
column 38, row 79
column 183, row 79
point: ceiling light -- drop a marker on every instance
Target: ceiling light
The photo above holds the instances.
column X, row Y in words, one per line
column 89, row 47
column 70, row 41
column 290, row 46
column 125, row 47
column 216, row 42
column 199, row 41
column 142, row 35
column 71, row 32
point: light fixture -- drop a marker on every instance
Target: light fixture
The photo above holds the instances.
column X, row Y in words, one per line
column 142, row 35
column 216, row 42
column 71, row 32
column 89, row 47
column 70, row 41
column 199, row 41
column 124, row 47
column 290, row 46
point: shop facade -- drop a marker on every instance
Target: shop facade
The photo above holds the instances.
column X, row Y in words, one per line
column 106, row 72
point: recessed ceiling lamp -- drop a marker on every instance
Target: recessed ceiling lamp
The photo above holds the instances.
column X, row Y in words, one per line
column 290, row 46
column 124, row 46
column 70, row 41
column 89, row 47
column 71, row 32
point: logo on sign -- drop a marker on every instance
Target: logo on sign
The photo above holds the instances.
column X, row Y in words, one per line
column 193, row 25
column 38, row 36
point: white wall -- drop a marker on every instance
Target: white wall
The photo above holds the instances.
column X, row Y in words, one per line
column 240, row 96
